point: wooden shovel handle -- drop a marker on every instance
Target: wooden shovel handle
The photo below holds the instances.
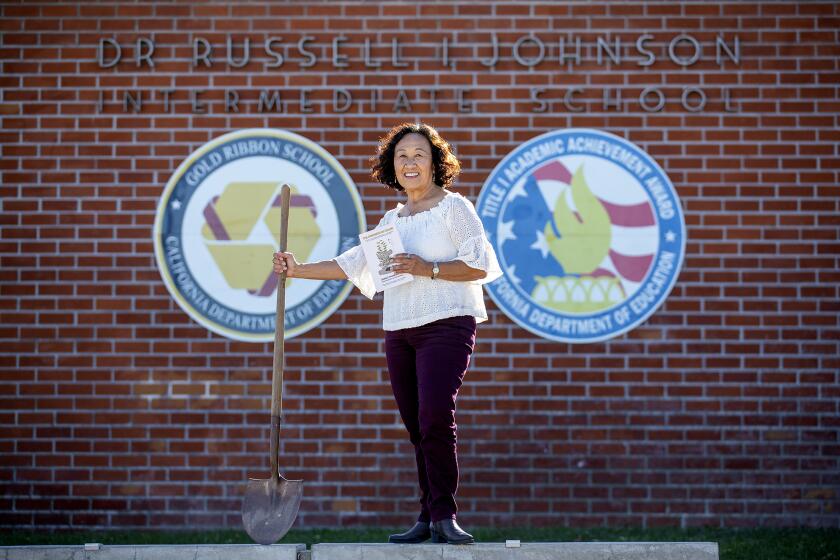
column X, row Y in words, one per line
column 277, row 378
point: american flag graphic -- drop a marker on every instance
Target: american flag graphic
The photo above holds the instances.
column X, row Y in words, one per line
column 634, row 233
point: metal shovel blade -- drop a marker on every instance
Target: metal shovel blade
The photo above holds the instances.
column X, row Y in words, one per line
column 270, row 507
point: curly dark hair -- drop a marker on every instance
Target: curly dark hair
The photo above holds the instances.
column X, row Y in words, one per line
column 445, row 165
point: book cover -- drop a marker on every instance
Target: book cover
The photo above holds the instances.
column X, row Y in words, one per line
column 378, row 246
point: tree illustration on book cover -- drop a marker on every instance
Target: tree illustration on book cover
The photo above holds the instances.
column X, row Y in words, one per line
column 383, row 253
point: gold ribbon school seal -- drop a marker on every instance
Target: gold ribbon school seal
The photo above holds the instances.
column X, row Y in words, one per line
column 218, row 225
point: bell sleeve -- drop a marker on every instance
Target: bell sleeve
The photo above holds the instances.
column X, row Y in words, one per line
column 354, row 265
column 468, row 235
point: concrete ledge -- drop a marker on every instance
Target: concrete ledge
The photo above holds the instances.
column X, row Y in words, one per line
column 527, row 551
column 154, row 552
column 355, row 551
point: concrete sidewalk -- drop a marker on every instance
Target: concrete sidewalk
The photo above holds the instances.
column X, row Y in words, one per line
column 154, row 552
column 356, row 551
column 527, row 551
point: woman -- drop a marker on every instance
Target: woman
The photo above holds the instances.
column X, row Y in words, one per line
column 429, row 322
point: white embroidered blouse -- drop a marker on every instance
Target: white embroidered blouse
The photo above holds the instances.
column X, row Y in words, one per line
column 449, row 231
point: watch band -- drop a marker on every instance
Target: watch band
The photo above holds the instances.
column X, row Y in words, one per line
column 435, row 270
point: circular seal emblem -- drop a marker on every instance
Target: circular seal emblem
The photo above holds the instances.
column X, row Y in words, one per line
column 589, row 232
column 218, row 225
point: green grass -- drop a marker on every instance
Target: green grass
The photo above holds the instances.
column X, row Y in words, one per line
column 735, row 544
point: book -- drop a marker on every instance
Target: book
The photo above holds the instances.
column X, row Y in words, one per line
column 378, row 246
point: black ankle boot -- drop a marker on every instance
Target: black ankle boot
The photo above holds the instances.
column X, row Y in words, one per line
column 447, row 531
column 417, row 534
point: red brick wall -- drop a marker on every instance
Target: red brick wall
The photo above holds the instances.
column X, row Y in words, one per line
column 118, row 410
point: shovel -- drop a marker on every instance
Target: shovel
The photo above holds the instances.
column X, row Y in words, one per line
column 271, row 505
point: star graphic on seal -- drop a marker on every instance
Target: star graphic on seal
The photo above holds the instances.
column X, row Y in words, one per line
column 506, row 232
column 541, row 244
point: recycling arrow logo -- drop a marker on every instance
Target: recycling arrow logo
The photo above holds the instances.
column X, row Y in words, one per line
column 233, row 217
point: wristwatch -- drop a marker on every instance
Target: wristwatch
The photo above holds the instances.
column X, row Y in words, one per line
column 435, row 270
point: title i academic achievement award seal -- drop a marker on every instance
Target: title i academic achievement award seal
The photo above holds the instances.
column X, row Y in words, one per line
column 589, row 232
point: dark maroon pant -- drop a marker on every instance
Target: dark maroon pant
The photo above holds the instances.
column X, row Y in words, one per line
column 426, row 365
